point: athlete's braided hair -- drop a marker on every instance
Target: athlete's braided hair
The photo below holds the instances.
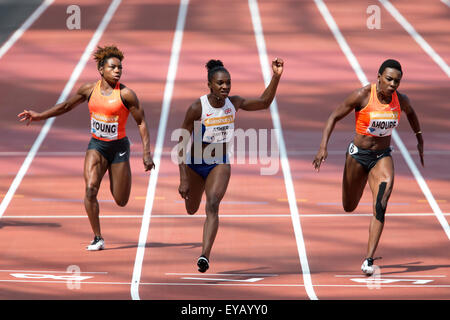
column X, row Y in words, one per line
column 390, row 63
column 214, row 66
column 104, row 53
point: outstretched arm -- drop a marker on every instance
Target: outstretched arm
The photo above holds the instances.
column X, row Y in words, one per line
column 266, row 98
column 82, row 95
column 132, row 102
column 353, row 101
column 406, row 107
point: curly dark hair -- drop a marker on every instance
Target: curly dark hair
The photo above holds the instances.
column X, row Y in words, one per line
column 104, row 53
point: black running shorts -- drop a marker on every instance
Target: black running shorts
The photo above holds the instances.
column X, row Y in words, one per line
column 114, row 151
column 367, row 158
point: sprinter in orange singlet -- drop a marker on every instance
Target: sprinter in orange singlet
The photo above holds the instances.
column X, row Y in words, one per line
column 378, row 107
column 109, row 103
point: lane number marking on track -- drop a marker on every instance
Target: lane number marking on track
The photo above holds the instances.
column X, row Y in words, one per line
column 50, row 276
column 222, row 279
column 228, row 277
column 376, row 280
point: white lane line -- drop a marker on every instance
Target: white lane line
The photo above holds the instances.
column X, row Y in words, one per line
column 416, row 36
column 341, row 41
column 265, row 67
column 168, row 91
column 223, row 279
column 24, row 27
column 226, row 274
column 228, row 284
column 185, row 216
column 67, row 89
column 138, row 154
column 52, row 272
column 446, row 2
column 363, row 79
column 391, row 276
column 223, row 202
column 288, row 285
column 422, row 184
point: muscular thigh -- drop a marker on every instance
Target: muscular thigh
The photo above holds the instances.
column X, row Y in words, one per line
column 217, row 181
column 382, row 172
column 353, row 183
column 120, row 178
column 95, row 166
column 196, row 188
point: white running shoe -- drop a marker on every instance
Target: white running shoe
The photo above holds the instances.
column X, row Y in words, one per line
column 367, row 266
column 97, row 244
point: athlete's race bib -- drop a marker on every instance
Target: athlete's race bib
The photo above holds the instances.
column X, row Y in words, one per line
column 352, row 149
column 219, row 129
column 382, row 123
column 104, row 127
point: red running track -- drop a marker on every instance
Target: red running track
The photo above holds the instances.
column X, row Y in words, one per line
column 255, row 255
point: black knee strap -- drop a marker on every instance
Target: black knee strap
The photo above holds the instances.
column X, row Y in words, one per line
column 380, row 210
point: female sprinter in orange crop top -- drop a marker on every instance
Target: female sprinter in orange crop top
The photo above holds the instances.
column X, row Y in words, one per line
column 378, row 107
column 109, row 103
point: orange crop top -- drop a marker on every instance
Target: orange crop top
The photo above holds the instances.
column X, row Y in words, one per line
column 377, row 119
column 108, row 114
